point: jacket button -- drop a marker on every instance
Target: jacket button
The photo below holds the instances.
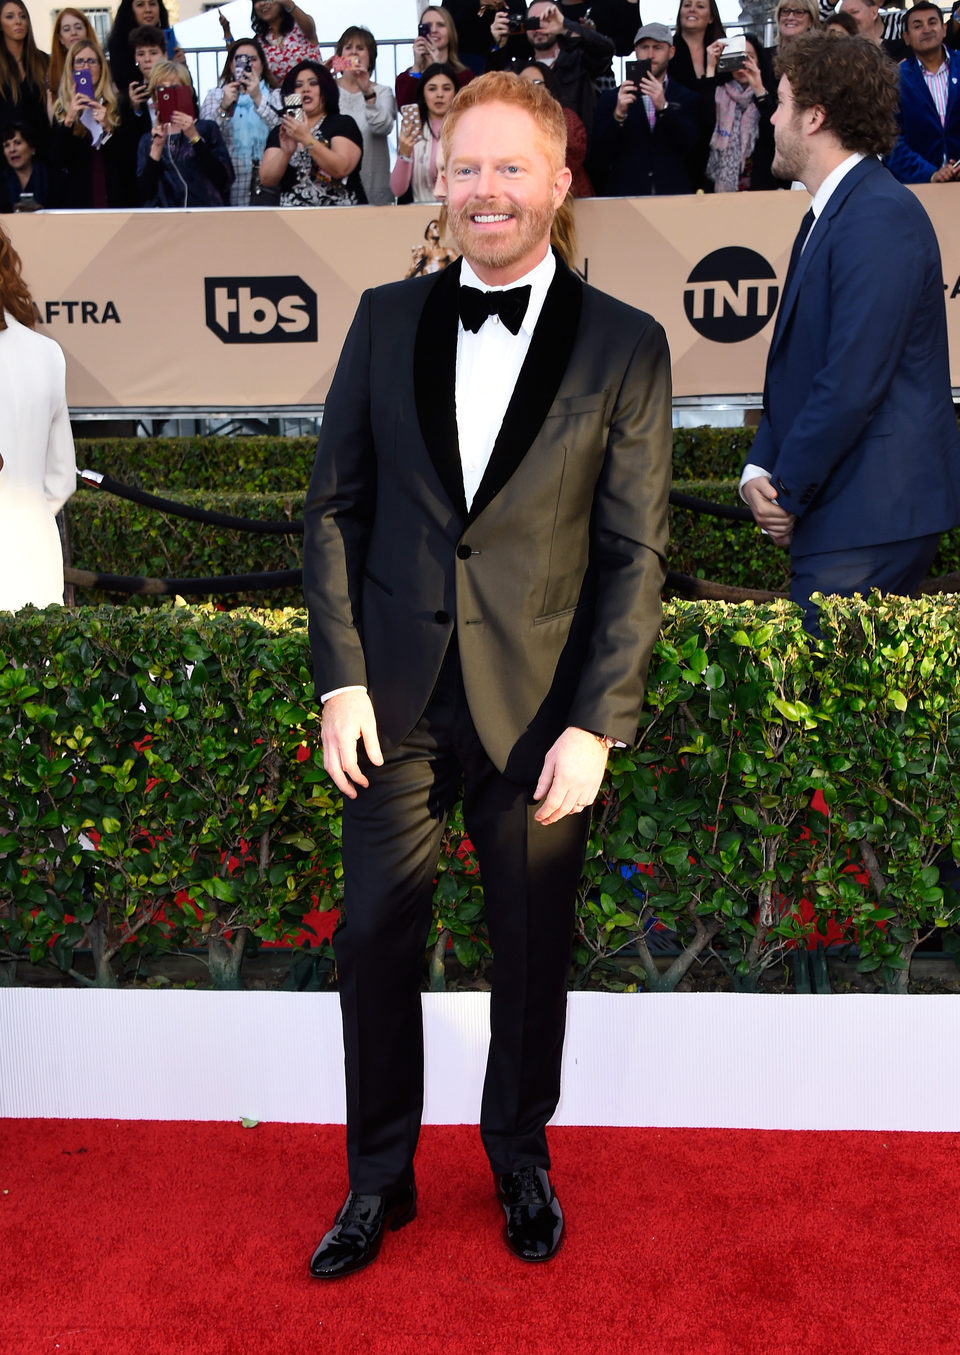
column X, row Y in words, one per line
column 441, row 616
column 464, row 552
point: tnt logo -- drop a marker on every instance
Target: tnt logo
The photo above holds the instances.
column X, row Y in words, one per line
column 730, row 295
column 261, row 310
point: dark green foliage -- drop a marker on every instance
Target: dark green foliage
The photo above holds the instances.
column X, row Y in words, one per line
column 113, row 536
column 255, row 465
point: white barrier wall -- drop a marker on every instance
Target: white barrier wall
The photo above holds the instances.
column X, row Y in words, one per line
column 695, row 1060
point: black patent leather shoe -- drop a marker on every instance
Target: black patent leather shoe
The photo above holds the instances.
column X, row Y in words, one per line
column 534, row 1218
column 354, row 1240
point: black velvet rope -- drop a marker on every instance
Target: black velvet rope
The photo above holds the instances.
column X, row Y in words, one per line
column 734, row 512
column 293, row 527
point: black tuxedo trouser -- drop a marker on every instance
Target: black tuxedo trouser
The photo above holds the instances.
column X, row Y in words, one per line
column 391, row 842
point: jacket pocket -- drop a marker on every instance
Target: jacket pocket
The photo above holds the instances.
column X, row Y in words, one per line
column 555, row 616
column 563, row 408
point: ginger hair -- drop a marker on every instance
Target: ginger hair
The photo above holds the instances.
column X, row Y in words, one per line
column 15, row 298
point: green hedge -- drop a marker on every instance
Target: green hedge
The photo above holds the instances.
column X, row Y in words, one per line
column 113, row 536
column 116, row 537
column 182, row 744
column 258, row 464
column 267, row 464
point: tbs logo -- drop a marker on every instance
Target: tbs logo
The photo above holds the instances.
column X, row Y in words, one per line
column 261, row 310
column 731, row 295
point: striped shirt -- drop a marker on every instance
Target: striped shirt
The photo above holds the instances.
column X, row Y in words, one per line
column 936, row 82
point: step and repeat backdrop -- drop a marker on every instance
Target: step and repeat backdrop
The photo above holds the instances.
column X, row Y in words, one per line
column 246, row 308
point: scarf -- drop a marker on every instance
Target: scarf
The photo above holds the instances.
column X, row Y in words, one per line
column 734, row 137
column 249, row 129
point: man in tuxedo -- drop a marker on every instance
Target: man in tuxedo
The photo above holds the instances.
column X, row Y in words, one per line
column 485, row 536
column 856, row 462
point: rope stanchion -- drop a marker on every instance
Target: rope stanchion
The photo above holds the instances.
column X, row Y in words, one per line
column 293, row 527
column 733, row 512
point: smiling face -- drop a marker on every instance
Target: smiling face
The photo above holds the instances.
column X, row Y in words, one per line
column 438, row 95
column 924, row 32
column 791, row 20
column 308, row 87
column 70, row 29
column 439, row 35
column 694, row 16
column 14, row 22
column 504, row 186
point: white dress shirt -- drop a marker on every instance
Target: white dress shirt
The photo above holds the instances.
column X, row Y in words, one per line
column 488, row 365
column 820, row 199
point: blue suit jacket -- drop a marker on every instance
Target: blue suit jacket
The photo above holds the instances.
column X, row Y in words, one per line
column 924, row 143
column 858, row 432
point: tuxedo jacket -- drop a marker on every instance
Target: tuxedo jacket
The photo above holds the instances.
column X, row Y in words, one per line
column 858, row 431
column 552, row 578
column 925, row 142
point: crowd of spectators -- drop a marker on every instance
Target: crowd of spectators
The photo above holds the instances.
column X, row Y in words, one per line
column 122, row 128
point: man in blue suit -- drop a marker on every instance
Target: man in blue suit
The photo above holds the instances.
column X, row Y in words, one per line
column 855, row 466
column 928, row 147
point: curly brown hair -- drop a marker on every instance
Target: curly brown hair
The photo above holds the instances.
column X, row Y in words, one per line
column 15, row 297
column 854, row 82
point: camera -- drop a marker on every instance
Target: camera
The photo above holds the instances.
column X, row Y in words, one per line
column 516, row 23
column 733, row 55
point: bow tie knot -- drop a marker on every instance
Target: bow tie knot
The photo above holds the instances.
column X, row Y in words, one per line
column 510, row 305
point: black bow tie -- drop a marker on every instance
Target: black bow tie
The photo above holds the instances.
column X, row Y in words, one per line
column 476, row 306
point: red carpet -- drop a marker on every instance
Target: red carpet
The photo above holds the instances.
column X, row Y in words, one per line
column 144, row 1238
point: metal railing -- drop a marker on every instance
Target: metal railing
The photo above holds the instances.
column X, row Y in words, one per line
column 393, row 56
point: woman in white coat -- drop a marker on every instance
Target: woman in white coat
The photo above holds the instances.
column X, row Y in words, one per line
column 39, row 470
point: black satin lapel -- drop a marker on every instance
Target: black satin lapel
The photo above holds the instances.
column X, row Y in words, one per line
column 537, row 385
column 435, row 382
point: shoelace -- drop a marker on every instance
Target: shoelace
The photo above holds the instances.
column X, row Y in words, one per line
column 528, row 1189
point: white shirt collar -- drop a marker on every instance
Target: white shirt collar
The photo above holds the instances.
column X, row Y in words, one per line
column 833, row 180
column 539, row 279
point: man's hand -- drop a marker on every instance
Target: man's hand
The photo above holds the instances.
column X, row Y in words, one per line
column 947, row 173
column 500, row 28
column 348, row 717
column 137, row 93
column 761, row 499
column 626, row 95
column 571, row 776
column 653, row 89
column 551, row 21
